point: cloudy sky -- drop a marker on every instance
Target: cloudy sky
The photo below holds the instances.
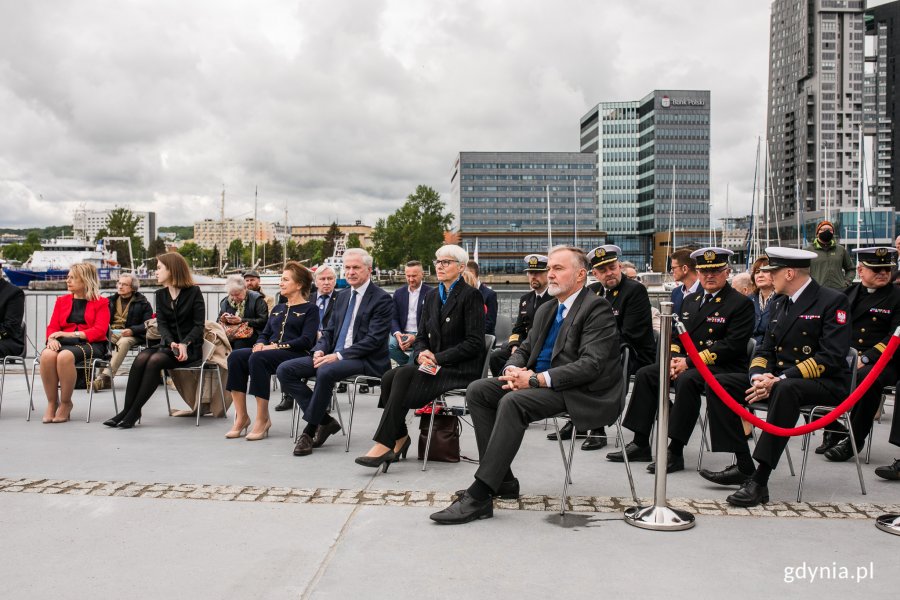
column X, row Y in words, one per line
column 340, row 108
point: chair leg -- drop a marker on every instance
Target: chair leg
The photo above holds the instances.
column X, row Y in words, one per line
column 87, row 419
column 703, row 420
column 862, row 484
column 166, row 388
column 567, row 463
column 621, row 439
column 352, row 396
column 562, row 450
column 221, row 392
column 30, row 408
column 295, row 425
column 112, row 386
column 2, row 383
column 200, row 396
column 805, row 446
column 337, row 406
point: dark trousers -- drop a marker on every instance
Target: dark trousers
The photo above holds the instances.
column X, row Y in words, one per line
column 501, row 418
column 785, row 401
column 315, row 403
column 863, row 413
column 10, row 347
column 241, row 343
column 726, row 430
column 895, row 430
column 258, row 367
column 143, row 379
column 498, row 359
column 641, row 413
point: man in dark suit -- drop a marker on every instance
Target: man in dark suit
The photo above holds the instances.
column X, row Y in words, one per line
column 634, row 318
column 569, row 362
column 803, row 359
column 353, row 343
column 12, row 313
column 490, row 300
column 324, row 296
column 536, row 269
column 684, row 271
column 408, row 303
column 720, row 319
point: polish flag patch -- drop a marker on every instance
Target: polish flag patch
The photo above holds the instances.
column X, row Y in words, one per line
column 841, row 316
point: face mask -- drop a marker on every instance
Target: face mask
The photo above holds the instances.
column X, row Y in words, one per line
column 826, row 236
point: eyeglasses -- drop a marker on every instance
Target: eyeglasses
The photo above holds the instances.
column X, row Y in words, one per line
column 444, row 262
column 881, row 269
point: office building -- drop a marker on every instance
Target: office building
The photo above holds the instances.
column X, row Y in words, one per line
column 88, row 223
column 210, row 233
column 881, row 105
column 305, row 233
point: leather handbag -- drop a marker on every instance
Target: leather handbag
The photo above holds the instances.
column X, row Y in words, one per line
column 444, row 438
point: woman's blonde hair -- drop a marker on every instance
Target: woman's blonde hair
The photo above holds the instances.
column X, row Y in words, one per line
column 469, row 277
column 179, row 271
column 86, row 273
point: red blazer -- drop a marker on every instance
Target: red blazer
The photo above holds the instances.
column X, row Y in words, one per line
column 96, row 314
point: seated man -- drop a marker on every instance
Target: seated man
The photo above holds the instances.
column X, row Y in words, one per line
column 12, row 314
column 129, row 310
column 720, row 321
column 569, row 362
column 802, row 360
column 353, row 343
column 490, row 299
column 408, row 303
column 536, row 269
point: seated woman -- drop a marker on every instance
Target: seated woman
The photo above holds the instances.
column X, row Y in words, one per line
column 76, row 335
column 180, row 314
column 451, row 337
column 762, row 296
column 12, row 313
column 242, row 312
column 289, row 333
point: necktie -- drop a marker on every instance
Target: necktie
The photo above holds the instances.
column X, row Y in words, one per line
column 543, row 360
column 345, row 325
column 323, row 302
column 788, row 304
column 707, row 298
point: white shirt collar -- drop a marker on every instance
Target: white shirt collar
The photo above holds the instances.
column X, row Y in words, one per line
column 361, row 290
column 570, row 301
column 796, row 295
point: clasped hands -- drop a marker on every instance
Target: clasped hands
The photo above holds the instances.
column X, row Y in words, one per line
column 516, row 378
column 677, row 366
column 760, row 388
column 405, row 340
column 320, row 358
column 260, row 347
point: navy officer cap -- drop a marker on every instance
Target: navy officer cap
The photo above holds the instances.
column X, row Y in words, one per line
column 603, row 255
column 780, row 258
column 881, row 256
column 536, row 263
column 711, row 258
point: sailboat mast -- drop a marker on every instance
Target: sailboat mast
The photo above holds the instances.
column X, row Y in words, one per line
column 549, row 231
column 221, row 228
column 575, row 187
column 255, row 230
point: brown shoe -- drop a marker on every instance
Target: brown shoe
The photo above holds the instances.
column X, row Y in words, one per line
column 304, row 445
column 323, row 432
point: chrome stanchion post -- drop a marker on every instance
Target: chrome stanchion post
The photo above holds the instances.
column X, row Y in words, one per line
column 888, row 523
column 659, row 516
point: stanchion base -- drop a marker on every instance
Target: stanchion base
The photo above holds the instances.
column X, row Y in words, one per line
column 888, row 523
column 659, row 518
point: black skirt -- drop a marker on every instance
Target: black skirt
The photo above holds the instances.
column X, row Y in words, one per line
column 85, row 353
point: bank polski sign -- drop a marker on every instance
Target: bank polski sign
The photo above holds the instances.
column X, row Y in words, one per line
column 666, row 102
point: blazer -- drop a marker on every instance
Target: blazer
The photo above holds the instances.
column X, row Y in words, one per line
column 585, row 366
column 370, row 331
column 139, row 312
column 874, row 318
column 401, row 307
column 762, row 316
column 181, row 320
column 454, row 332
column 528, row 305
column 96, row 315
column 256, row 311
column 292, row 327
column 720, row 329
column 634, row 319
column 490, row 301
column 809, row 340
column 677, row 298
column 12, row 313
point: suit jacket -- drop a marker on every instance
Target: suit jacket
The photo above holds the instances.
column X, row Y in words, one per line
column 490, row 301
column 528, row 305
column 401, row 307
column 634, row 319
column 875, row 317
column 454, row 332
column 12, row 313
column 720, row 328
column 677, row 298
column 584, row 366
column 762, row 316
column 329, row 307
column 370, row 330
column 96, row 317
column 811, row 339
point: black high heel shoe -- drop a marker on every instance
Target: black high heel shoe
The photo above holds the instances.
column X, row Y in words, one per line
column 114, row 422
column 377, row 461
column 401, row 453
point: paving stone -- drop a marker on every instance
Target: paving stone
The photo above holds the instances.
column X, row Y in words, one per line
column 247, row 497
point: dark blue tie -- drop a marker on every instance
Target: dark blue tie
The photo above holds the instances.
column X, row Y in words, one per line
column 543, row 361
column 323, row 302
column 345, row 326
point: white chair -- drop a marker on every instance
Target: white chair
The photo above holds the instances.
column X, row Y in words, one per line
column 203, row 368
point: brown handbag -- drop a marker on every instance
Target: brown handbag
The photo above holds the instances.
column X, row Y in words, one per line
column 444, row 438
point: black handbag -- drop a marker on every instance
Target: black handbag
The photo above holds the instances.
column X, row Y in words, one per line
column 444, row 438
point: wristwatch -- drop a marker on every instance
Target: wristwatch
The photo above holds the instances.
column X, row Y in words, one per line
column 864, row 359
column 533, row 382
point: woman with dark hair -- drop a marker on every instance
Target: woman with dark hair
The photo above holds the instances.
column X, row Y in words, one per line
column 180, row 315
column 76, row 334
column 448, row 353
column 289, row 333
column 762, row 296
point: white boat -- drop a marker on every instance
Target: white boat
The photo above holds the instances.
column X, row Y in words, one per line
column 55, row 258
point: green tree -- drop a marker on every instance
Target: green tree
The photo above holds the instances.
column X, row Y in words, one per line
column 312, row 252
column 121, row 222
column 194, row 254
column 182, row 232
column 157, row 247
column 22, row 252
column 353, row 241
column 331, row 237
column 413, row 232
column 236, row 253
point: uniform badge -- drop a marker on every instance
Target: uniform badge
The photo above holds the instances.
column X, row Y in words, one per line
column 600, row 253
column 709, row 256
column 718, row 299
column 841, row 316
column 615, row 293
column 807, row 350
column 524, row 302
column 881, row 252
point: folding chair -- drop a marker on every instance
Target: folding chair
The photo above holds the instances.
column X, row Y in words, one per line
column 567, row 460
column 34, row 365
column 15, row 360
column 295, row 409
column 203, row 368
column 459, row 411
column 104, row 363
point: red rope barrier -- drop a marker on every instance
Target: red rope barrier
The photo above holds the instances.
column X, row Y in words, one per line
column 824, row 421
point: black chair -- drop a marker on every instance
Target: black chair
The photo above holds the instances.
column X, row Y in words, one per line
column 15, row 360
column 203, row 367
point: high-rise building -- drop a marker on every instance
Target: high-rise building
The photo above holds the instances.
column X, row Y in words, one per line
column 881, row 104
column 89, row 223
column 210, row 233
column 500, row 200
column 650, row 151
column 815, row 107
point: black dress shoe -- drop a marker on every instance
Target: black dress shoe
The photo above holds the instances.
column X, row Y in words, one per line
column 594, row 442
column 114, row 422
column 323, row 432
column 303, row 446
column 464, row 510
column 730, row 476
column 509, row 490
column 891, row 472
column 750, row 494
column 673, row 464
column 565, row 433
column 840, row 452
column 635, row 454
column 287, row 403
column 830, row 439
column 125, row 425
column 363, row 389
column 383, row 461
column 342, row 388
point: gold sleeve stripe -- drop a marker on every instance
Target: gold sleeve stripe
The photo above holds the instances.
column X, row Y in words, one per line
column 708, row 357
column 759, row 362
column 514, row 337
column 810, row 369
column 675, row 348
column 880, row 347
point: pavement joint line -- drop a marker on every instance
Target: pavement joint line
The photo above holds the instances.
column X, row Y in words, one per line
column 422, row 498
